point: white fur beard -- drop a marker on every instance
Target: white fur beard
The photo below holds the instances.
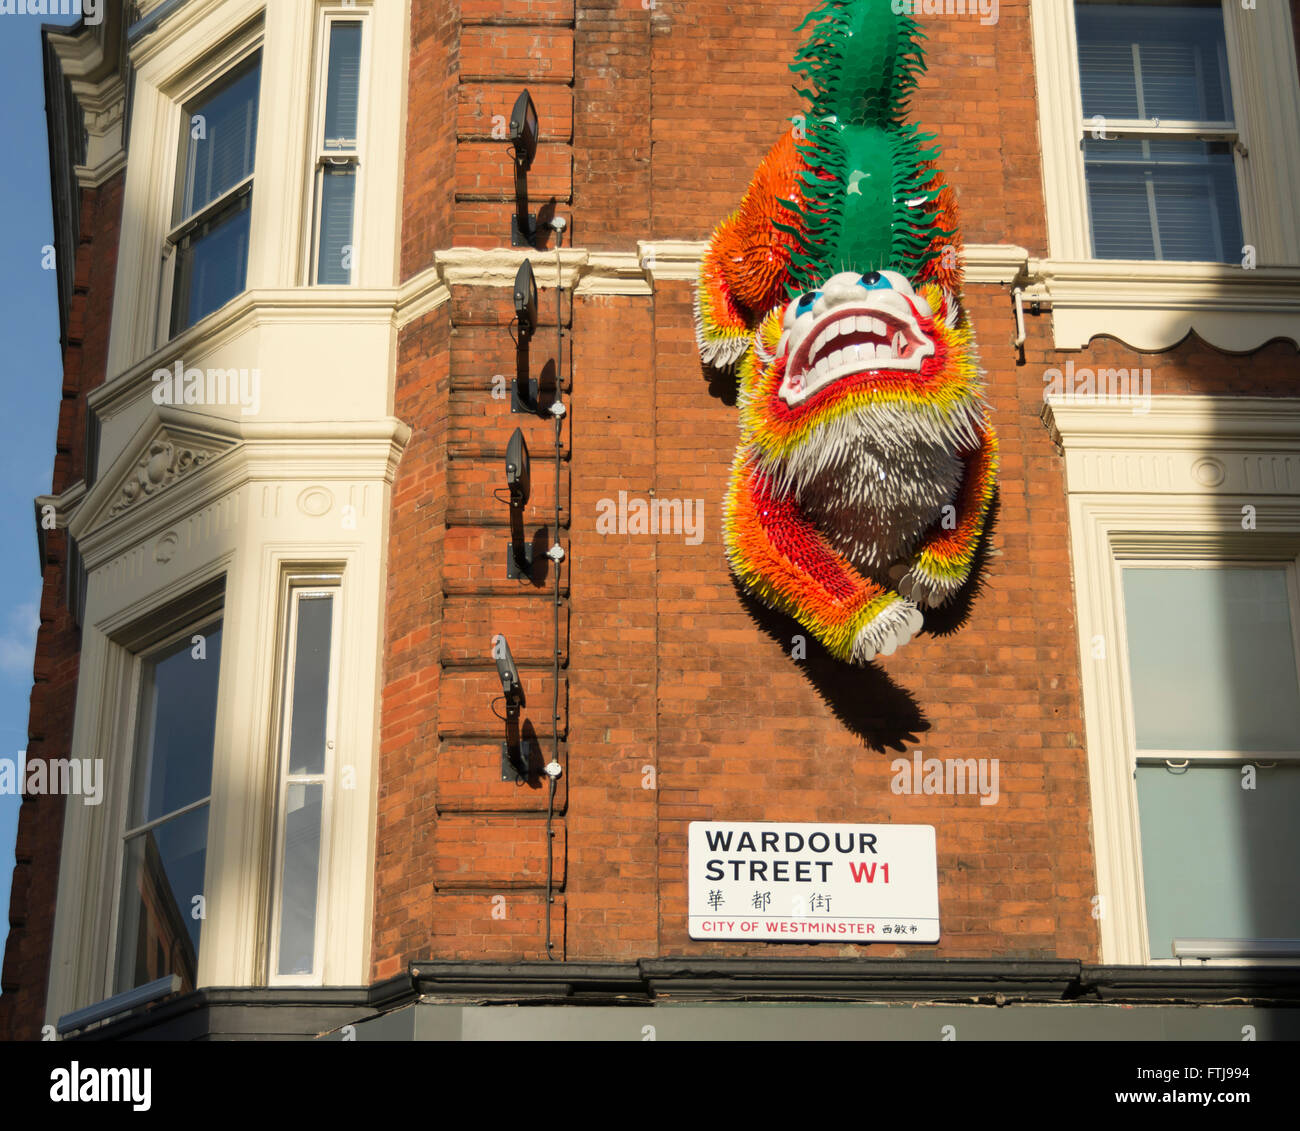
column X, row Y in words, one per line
column 876, row 480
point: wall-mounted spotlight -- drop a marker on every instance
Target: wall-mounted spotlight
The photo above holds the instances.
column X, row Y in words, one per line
column 523, row 142
column 523, row 130
column 515, row 752
column 523, row 393
column 519, row 554
column 508, row 674
column 526, row 300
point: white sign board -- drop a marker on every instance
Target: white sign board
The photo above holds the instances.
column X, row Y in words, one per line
column 813, row 882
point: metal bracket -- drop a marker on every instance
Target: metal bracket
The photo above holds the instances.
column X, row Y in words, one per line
column 518, row 404
column 516, row 768
column 515, row 567
column 527, row 238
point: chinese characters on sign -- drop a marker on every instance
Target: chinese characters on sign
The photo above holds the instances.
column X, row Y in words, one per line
column 865, row 883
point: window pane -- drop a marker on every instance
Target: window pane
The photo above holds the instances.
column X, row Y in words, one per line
column 1212, row 659
column 219, row 139
column 343, row 86
column 162, row 872
column 1218, row 860
column 178, row 719
column 311, row 679
column 338, row 193
column 1161, row 199
column 1158, row 61
column 211, row 264
column 298, row 883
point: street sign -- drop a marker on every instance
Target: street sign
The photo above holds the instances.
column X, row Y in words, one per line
column 813, row 882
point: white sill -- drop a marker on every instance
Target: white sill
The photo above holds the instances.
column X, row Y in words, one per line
column 1220, row 963
column 1153, row 305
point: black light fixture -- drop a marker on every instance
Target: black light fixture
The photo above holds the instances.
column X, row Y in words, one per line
column 519, row 554
column 515, row 752
column 526, row 300
column 523, row 393
column 523, row 130
column 523, row 142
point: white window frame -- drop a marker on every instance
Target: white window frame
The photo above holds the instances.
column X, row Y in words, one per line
column 296, row 586
column 1152, row 305
column 1150, row 129
column 249, row 44
column 239, row 510
column 1198, row 559
column 132, row 684
column 320, row 156
column 1165, row 486
column 184, row 51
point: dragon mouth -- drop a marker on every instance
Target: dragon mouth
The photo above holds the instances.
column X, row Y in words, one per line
column 849, row 340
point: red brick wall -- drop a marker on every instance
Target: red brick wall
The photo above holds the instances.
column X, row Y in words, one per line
column 58, row 643
column 679, row 698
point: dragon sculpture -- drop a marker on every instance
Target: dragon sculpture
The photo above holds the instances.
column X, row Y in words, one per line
column 866, row 465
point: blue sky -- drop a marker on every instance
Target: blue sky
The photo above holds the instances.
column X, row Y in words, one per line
column 29, row 328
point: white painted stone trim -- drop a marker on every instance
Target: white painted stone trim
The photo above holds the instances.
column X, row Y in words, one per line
column 271, row 497
column 1170, row 482
column 1153, row 305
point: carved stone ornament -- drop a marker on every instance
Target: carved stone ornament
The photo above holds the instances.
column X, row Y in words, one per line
column 162, row 465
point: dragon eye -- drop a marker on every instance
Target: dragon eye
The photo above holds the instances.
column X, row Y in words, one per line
column 874, row 281
column 805, row 303
column 897, row 282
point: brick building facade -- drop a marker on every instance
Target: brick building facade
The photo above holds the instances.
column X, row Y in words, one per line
column 680, row 697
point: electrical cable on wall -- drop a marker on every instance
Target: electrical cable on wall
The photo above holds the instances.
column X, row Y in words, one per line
column 556, row 554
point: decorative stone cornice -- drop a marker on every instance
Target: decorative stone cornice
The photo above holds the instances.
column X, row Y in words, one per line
column 1207, row 447
column 1152, row 306
column 90, row 59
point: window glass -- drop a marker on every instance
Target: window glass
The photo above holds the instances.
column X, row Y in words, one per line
column 211, row 265
column 1219, row 860
column 1212, row 659
column 178, row 721
column 302, row 833
column 1158, row 61
column 220, row 135
column 217, row 148
column 165, row 848
column 1163, row 199
column 338, row 197
column 307, row 737
column 343, row 85
column 311, row 685
column 1156, row 194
